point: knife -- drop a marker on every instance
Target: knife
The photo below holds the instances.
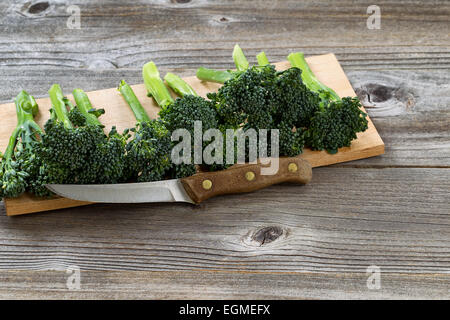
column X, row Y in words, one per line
column 193, row 189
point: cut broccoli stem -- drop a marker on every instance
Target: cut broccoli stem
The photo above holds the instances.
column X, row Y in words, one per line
column 221, row 77
column 262, row 59
column 85, row 106
column 211, row 75
column 59, row 106
column 239, row 58
column 179, row 86
column 27, row 97
column 129, row 96
column 155, row 85
column 298, row 60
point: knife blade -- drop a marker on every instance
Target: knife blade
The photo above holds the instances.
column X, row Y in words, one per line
column 194, row 189
column 159, row 191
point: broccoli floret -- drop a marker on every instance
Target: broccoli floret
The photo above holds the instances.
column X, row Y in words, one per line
column 337, row 121
column 79, row 151
column 243, row 99
column 295, row 103
column 259, row 97
column 148, row 152
column 75, row 115
column 247, row 99
column 183, row 113
column 336, row 125
column 178, row 171
column 291, row 140
column 15, row 173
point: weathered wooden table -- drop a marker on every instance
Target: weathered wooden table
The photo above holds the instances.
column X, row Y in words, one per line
column 317, row 241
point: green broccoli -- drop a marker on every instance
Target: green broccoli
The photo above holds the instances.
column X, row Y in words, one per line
column 148, row 152
column 337, row 121
column 19, row 156
column 246, row 99
column 179, row 86
column 262, row 59
column 183, row 112
column 155, row 86
column 84, row 107
column 221, row 77
column 259, row 97
column 80, row 152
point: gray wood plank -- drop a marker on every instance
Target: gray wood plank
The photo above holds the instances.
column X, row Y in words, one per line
column 129, row 33
column 343, row 221
column 26, row 284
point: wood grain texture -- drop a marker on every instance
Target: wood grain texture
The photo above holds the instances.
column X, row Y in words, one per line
column 319, row 236
column 209, row 285
column 179, row 35
column 399, row 221
column 325, row 67
column 396, row 218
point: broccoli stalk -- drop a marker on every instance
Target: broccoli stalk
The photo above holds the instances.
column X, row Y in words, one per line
column 297, row 60
column 59, row 106
column 262, row 59
column 20, row 150
column 85, row 107
column 155, row 85
column 239, row 58
column 216, row 76
column 179, row 86
column 129, row 96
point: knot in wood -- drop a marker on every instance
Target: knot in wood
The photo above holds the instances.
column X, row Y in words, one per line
column 38, row 7
column 379, row 93
column 386, row 100
column 267, row 235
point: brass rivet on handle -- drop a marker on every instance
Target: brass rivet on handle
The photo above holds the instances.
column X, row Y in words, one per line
column 207, row 184
column 292, row 167
column 250, row 176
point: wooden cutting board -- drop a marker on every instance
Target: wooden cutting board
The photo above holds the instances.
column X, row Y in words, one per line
column 326, row 67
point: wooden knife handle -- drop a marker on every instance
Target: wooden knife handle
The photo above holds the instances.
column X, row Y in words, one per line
column 245, row 178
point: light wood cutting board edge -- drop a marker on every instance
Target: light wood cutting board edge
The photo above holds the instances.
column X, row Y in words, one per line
column 326, row 67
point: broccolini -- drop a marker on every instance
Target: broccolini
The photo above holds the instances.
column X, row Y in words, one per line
column 19, row 157
column 80, row 152
column 337, row 121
